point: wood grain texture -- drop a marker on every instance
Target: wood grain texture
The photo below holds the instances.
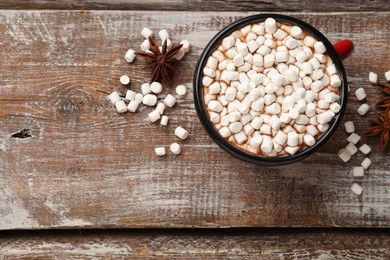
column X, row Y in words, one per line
column 86, row 166
column 190, row 244
column 204, row 5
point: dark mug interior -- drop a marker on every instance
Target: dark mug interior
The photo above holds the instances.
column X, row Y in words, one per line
column 225, row 144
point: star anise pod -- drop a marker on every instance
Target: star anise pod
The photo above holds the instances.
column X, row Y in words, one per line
column 161, row 61
column 381, row 127
column 384, row 103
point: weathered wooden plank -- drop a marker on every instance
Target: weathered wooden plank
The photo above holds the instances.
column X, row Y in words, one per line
column 203, row 5
column 190, row 244
column 87, row 166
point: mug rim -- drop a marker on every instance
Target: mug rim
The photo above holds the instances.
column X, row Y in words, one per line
column 225, row 144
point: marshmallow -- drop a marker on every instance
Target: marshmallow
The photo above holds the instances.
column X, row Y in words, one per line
column 238, row 61
column 214, row 117
column 309, row 140
column 387, row 75
column 225, row 132
column 240, row 137
column 263, row 50
column 360, row 94
column 363, row 109
column 280, row 34
column 266, row 144
column 133, row 106
column 232, row 75
column 265, row 129
column 145, row 45
column 149, row 100
column 257, row 60
column 270, row 25
column 181, row 90
column 181, row 133
column 145, row 88
column 335, row 107
column 358, row 171
column 292, row 139
column 256, row 141
column 252, row 46
column 307, row 67
column 296, row 32
column 186, row 45
column 124, row 80
column 170, row 101
column 344, row 155
column 164, row 35
column 293, row 113
column 160, row 108
column 357, row 189
column 243, row 108
column 209, row 72
column 317, row 74
column 269, row 60
column 230, row 93
column 121, row 106
column 248, row 130
column 302, row 56
column 349, row 127
column 317, row 86
column 164, row 120
column 130, row 56
column 245, row 119
column 312, row 130
column 319, row 47
column 214, row 88
column 351, row 148
column 175, row 148
column 130, row 95
column 160, row 151
column 335, row 81
column 309, row 41
column 228, row 42
column 275, row 122
column 323, row 127
column 114, row 97
column 366, row 163
column 212, row 63
column 234, row 116
column 291, row 43
column 291, row 150
column 257, row 122
column 235, row 127
column 242, row 48
column 353, row 138
column 180, row 54
column 280, row 138
column 365, row 149
column 373, row 78
column 146, row 32
column 154, row 116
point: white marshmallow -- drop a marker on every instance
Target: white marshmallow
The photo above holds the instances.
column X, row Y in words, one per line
column 186, row 45
column 181, row 133
column 273, row 109
column 291, row 150
column 349, row 127
column 280, row 34
column 121, row 106
column 257, row 60
column 263, row 50
column 156, row 87
column 130, row 95
column 238, row 61
column 225, row 132
column 335, row 81
column 296, row 32
column 353, row 138
column 280, row 138
column 293, row 113
column 214, row 88
column 360, row 94
column 154, row 116
column 366, row 163
column 240, row 137
column 363, row 109
column 269, row 99
column 309, row 140
column 331, row 69
column 234, row 116
column 181, row 90
column 365, row 149
column 270, row 88
column 269, row 60
column 149, row 100
column 257, row 122
column 164, row 35
column 256, row 141
column 292, row 75
column 309, row 41
column 230, row 93
column 232, row 75
column 228, row 42
column 164, row 120
column 235, row 127
column 252, row 46
column 266, row 144
column 145, row 88
column 114, row 97
column 292, row 139
column 248, row 130
column 145, row 45
column 351, row 148
column 170, row 101
column 291, row 43
column 133, row 106
column 317, row 74
column 281, row 57
column 175, row 148
column 124, row 80
column 357, row 189
column 214, row 117
column 344, row 155
column 243, row 108
column 212, row 63
column 180, row 54
column 322, row 104
column 302, row 56
column 275, row 122
column 335, row 107
column 160, row 151
column 160, row 108
column 312, row 130
column 387, row 75
column 323, row 127
column 307, row 68
column 319, row 47
column 358, row 171
column 209, row 72
column 373, row 78
column 265, row 129
column 130, row 55
column 206, row 81
column 317, row 86
column 245, row 119
column 270, row 25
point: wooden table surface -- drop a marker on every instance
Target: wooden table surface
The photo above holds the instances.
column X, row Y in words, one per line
column 82, row 165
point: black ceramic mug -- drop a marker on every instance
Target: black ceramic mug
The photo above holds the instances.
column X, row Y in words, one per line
column 336, row 52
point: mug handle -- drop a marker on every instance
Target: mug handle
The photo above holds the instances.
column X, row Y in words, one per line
column 344, row 48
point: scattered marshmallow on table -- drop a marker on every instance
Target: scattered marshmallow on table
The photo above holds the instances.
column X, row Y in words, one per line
column 160, row 151
column 114, row 97
column 154, row 116
column 130, row 55
column 164, row 120
column 130, row 95
column 366, row 163
column 170, row 100
column 353, row 138
column 156, row 87
column 363, row 109
column 357, row 189
column 358, row 171
column 124, row 80
column 181, row 133
column 149, row 100
column 121, row 106
column 164, row 34
column 365, row 149
column 387, row 75
column 181, row 90
column 373, row 78
column 145, row 88
column 133, row 106
column 160, row 108
column 146, row 32
column 344, row 155
column 175, row 148
column 360, row 94
column 351, row 148
column 349, row 127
